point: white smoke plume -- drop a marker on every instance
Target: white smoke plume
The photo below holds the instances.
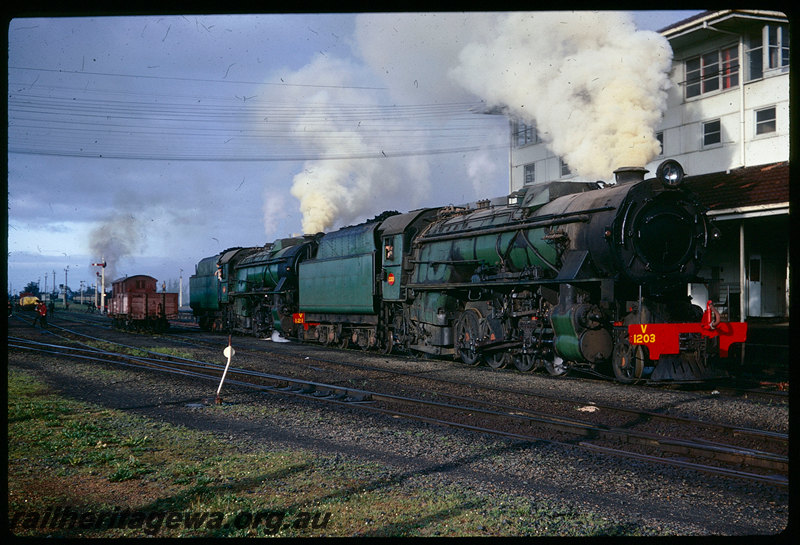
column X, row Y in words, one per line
column 353, row 179
column 408, row 54
column 274, row 210
column 594, row 86
column 481, row 166
column 412, row 53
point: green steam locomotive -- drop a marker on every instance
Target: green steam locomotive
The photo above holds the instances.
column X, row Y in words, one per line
column 555, row 276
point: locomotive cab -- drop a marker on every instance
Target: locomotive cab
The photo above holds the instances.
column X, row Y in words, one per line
column 397, row 233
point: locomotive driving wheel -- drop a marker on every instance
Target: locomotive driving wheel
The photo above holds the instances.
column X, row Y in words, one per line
column 497, row 360
column 524, row 362
column 467, row 331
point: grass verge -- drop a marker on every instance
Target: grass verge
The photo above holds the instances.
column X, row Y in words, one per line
column 81, row 470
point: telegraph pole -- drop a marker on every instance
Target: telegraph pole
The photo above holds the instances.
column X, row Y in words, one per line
column 66, row 271
column 180, row 289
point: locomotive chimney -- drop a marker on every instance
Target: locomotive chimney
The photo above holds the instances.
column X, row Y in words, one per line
column 630, row 174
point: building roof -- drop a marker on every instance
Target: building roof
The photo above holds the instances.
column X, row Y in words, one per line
column 135, row 276
column 714, row 17
column 741, row 188
column 686, row 21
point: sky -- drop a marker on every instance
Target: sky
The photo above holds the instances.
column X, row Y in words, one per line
column 155, row 141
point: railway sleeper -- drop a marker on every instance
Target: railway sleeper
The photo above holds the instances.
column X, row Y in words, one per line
column 299, row 387
column 330, row 393
column 358, row 397
column 303, row 388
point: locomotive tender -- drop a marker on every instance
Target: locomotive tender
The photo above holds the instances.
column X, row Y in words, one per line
column 556, row 275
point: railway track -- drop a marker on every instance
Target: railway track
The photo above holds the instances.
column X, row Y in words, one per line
column 197, row 338
column 701, row 453
column 623, row 416
column 767, row 390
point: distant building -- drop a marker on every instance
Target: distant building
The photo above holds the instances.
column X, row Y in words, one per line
column 727, row 123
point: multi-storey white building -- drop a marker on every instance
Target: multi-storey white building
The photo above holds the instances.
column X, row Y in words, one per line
column 729, row 104
column 727, row 123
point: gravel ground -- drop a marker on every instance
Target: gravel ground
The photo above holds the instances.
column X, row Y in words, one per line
column 752, row 413
column 425, row 456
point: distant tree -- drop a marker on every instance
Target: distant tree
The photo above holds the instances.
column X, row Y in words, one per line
column 174, row 285
column 33, row 288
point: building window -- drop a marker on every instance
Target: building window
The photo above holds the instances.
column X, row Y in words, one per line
column 765, row 121
column 530, row 173
column 712, row 133
column 565, row 171
column 729, row 67
column 772, row 57
column 660, row 138
column 524, row 134
column 778, row 46
column 755, row 57
column 712, row 71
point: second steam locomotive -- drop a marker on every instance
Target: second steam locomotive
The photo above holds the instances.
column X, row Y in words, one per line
column 556, row 276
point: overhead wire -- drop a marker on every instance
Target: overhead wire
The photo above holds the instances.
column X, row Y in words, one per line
column 126, row 123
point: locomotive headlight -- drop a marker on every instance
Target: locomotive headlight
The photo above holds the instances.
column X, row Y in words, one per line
column 670, row 173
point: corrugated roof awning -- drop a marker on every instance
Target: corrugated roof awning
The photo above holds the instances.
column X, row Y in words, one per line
column 744, row 192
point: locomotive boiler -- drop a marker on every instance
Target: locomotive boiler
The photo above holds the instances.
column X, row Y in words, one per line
column 555, row 276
